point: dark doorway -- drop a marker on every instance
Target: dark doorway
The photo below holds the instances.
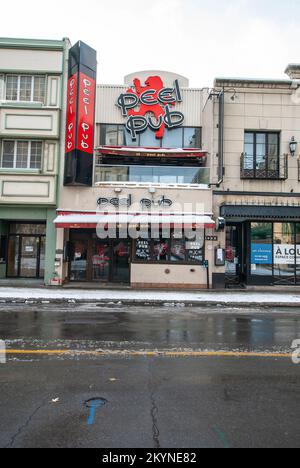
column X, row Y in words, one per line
column 234, row 269
column 26, row 251
column 99, row 260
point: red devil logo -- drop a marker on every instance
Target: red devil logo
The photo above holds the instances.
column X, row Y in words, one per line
column 153, row 83
column 155, row 99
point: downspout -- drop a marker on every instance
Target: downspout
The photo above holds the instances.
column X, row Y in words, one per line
column 221, row 168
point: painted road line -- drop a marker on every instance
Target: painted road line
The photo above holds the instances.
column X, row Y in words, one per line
column 128, row 353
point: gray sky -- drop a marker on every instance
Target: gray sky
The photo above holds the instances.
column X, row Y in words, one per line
column 197, row 38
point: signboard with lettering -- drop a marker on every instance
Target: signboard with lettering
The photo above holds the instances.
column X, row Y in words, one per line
column 284, row 254
column 150, row 106
column 261, row 254
column 81, row 97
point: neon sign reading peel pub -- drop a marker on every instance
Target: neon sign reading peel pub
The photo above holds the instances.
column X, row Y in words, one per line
column 153, row 99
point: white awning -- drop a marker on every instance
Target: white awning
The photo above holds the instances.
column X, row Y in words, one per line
column 80, row 221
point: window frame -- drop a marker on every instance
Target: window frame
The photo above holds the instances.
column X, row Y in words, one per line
column 19, row 76
column 267, row 169
column 121, row 129
column 170, row 241
column 29, row 155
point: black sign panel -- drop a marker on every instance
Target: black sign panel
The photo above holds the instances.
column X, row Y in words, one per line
column 80, row 115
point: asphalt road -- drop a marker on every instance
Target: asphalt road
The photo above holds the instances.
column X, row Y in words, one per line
column 152, row 400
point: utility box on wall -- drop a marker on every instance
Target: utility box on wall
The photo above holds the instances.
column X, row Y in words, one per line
column 81, row 100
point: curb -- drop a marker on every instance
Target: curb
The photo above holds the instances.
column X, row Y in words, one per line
column 151, row 303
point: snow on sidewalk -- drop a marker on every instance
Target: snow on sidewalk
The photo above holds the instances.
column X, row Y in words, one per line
column 229, row 297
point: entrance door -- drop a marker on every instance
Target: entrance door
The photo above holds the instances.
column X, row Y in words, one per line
column 29, row 261
column 26, row 256
column 121, row 261
column 111, row 261
column 99, row 261
column 234, row 255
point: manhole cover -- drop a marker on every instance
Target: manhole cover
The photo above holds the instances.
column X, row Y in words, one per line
column 95, row 402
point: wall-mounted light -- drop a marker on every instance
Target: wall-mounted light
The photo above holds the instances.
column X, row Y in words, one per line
column 118, row 190
column 293, row 146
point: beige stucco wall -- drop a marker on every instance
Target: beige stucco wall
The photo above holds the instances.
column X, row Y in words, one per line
column 168, row 275
column 196, row 200
column 22, row 60
column 258, row 109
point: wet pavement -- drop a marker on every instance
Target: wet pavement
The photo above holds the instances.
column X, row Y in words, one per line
column 126, row 400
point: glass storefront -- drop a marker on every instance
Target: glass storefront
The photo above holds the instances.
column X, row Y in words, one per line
column 97, row 260
column 26, row 250
column 275, row 252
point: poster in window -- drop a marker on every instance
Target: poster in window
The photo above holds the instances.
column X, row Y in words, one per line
column 143, row 250
column 161, row 250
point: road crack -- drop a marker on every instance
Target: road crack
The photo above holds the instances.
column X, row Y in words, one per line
column 154, row 410
column 24, row 426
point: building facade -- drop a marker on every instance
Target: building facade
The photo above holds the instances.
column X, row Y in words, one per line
column 149, row 184
column 256, row 177
column 32, row 101
column 150, row 188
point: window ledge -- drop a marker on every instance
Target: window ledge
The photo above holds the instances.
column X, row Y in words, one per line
column 21, row 171
column 155, row 185
column 35, row 105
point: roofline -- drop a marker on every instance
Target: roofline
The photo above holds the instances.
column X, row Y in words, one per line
column 248, row 82
column 32, row 44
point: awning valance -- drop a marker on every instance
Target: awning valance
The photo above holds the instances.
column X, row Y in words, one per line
column 151, row 152
column 259, row 212
column 92, row 220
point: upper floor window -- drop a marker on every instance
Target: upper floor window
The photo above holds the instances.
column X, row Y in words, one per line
column 183, row 137
column 261, row 158
column 21, row 154
column 26, row 88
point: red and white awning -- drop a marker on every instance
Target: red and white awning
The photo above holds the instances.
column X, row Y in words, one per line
column 92, row 220
column 151, row 152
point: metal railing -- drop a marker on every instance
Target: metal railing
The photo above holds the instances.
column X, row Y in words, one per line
column 152, row 174
column 269, row 168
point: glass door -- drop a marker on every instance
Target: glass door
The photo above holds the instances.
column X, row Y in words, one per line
column 26, row 256
column 101, row 260
column 121, row 261
column 29, row 257
column 78, row 264
column 234, row 255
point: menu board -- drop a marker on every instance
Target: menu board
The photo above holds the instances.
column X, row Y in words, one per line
column 195, row 252
column 143, row 249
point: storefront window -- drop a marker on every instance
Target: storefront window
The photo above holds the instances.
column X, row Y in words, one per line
column 178, row 250
column 161, row 250
column 261, row 249
column 78, row 270
column 169, row 250
column 284, row 250
column 298, row 252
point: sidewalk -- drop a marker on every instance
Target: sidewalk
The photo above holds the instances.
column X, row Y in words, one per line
column 151, row 298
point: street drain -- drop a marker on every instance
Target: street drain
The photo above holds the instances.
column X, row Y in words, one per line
column 93, row 404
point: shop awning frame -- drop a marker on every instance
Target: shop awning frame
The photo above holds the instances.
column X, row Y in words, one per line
column 132, row 151
column 70, row 220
